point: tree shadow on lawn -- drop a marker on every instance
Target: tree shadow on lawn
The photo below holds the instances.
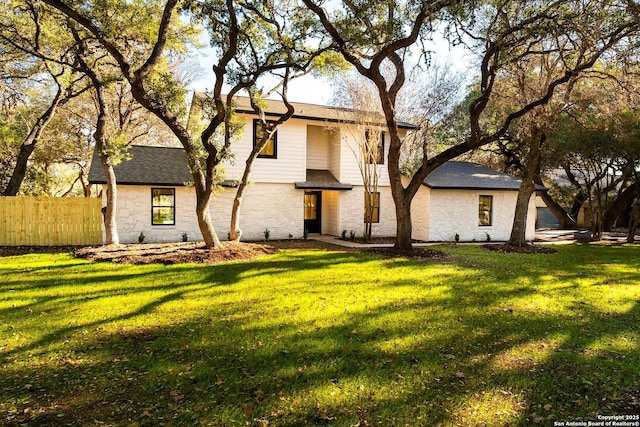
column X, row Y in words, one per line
column 458, row 359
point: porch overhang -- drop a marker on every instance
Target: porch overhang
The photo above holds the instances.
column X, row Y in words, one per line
column 321, row 180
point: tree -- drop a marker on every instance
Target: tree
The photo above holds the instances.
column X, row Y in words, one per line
column 365, row 137
column 368, row 34
column 24, row 35
column 233, row 29
column 290, row 58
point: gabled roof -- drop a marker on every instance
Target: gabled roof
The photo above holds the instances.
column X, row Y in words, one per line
column 323, row 113
column 322, row 180
column 470, row 176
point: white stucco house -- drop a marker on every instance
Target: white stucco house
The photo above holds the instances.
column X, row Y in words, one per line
column 307, row 178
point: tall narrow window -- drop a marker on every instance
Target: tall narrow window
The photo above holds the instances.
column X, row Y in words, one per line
column 375, row 147
column 163, row 206
column 270, row 150
column 371, row 207
column 485, row 210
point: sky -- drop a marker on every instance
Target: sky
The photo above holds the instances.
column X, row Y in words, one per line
column 313, row 90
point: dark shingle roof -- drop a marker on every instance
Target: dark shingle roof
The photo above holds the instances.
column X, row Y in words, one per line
column 322, row 180
column 147, row 165
column 470, row 176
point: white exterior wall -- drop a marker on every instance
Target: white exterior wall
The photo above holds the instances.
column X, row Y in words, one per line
column 352, row 212
column 318, row 148
column 290, row 164
column 278, row 207
column 456, row 211
column 134, row 215
column 420, row 206
column 349, row 158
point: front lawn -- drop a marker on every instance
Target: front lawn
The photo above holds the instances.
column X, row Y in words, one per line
column 321, row 337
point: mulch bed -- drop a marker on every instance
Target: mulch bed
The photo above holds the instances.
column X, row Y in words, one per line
column 174, row 253
column 196, row 252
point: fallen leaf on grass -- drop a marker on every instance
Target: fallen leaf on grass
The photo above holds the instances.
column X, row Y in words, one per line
column 537, row 419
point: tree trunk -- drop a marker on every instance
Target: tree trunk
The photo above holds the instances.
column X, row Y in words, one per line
column 527, row 188
column 564, row 218
column 403, row 224
column 29, row 145
column 20, row 170
column 519, row 228
column 110, row 226
column 203, row 197
column 619, row 205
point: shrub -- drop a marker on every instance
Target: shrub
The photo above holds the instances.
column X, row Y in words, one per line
column 344, row 234
column 185, row 237
column 457, row 238
column 141, row 237
column 488, row 237
column 267, row 233
column 352, row 235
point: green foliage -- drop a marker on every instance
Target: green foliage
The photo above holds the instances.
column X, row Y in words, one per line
column 185, row 237
column 141, row 237
column 267, row 233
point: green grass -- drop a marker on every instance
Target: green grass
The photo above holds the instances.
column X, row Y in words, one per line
column 322, row 338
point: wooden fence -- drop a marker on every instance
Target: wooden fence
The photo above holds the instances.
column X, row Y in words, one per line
column 50, row 221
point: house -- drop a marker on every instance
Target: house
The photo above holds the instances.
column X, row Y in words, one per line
column 470, row 200
column 306, row 178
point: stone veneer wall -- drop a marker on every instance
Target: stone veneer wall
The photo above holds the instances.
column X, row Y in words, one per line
column 278, row 207
column 456, row 211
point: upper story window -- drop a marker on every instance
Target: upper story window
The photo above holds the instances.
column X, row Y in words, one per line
column 163, row 206
column 375, row 146
column 270, row 151
column 485, row 210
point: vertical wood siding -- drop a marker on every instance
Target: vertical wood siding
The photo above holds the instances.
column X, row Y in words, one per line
column 50, row 221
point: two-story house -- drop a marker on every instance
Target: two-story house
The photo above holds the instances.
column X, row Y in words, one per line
column 306, row 178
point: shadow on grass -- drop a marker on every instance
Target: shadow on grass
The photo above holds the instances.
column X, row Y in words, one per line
column 472, row 352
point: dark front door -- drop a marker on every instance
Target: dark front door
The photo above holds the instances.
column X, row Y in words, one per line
column 312, row 211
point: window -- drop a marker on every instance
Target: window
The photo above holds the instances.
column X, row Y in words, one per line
column 371, row 207
column 376, row 153
column 163, row 206
column 270, row 151
column 485, row 210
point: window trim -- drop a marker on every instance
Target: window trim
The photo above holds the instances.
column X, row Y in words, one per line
column 173, row 190
column 381, row 145
column 256, row 123
column 490, row 197
column 375, row 209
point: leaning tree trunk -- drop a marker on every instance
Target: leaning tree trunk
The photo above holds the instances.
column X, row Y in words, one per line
column 527, row 188
column 519, row 229
column 20, row 170
column 565, row 220
column 29, row 145
column 619, row 205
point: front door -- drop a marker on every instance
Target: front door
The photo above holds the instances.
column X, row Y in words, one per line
column 312, row 211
